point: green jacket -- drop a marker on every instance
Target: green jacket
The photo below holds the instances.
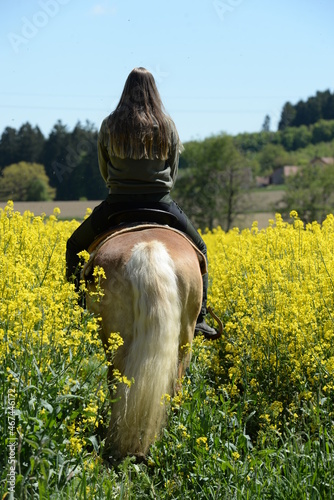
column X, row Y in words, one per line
column 129, row 176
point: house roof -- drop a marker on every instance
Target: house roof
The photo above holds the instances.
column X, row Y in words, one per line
column 290, row 170
column 327, row 160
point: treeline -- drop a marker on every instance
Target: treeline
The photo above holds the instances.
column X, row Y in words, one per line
column 69, row 159
column 291, row 138
column 315, row 108
column 265, row 151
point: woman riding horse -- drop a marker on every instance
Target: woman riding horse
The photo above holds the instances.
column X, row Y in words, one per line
column 138, row 154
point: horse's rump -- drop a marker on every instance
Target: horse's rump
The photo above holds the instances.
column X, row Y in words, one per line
column 116, row 232
column 152, row 297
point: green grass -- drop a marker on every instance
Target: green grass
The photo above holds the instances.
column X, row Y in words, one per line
column 205, row 451
column 270, row 188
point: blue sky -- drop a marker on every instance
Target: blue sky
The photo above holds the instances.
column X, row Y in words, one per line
column 220, row 65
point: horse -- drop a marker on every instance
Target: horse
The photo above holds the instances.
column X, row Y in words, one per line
column 152, row 295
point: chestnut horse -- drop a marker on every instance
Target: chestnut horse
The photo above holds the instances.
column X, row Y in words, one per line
column 152, row 298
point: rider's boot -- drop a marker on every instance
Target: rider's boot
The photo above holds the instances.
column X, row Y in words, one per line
column 203, row 328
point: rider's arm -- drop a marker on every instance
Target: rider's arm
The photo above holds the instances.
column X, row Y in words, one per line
column 174, row 153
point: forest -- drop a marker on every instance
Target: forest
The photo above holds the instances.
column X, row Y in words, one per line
column 212, row 172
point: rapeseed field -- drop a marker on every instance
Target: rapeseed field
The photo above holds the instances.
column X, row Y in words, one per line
column 255, row 417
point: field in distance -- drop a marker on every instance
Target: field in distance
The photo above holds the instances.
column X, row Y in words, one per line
column 258, row 207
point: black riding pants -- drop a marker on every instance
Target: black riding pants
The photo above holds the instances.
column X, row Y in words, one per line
column 98, row 222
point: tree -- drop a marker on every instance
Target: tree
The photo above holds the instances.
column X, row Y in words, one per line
column 54, row 153
column 309, row 192
column 302, row 137
column 272, row 156
column 86, row 172
column 315, row 108
column 8, row 148
column 38, row 190
column 287, row 116
column 266, row 124
column 25, row 182
column 210, row 185
column 328, row 108
column 30, row 143
column 254, row 142
column 322, row 131
column 71, row 162
column 287, row 138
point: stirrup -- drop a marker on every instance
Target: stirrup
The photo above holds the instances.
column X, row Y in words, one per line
column 209, row 332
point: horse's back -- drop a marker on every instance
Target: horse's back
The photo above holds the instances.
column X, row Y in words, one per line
column 118, row 249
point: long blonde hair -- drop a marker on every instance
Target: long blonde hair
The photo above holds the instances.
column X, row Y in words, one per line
column 139, row 127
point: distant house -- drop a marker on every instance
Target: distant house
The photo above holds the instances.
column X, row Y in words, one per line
column 322, row 160
column 262, row 181
column 281, row 173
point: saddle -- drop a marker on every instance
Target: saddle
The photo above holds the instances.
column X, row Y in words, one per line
column 136, row 220
column 144, row 215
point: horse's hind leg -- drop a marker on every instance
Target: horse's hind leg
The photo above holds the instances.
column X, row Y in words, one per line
column 186, row 338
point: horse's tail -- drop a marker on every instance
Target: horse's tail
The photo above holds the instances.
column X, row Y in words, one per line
column 153, row 356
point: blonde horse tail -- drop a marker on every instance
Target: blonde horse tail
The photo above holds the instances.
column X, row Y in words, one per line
column 153, row 354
